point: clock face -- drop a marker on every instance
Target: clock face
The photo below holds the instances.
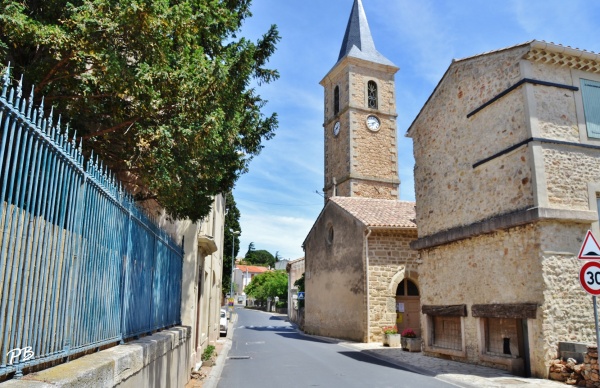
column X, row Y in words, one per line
column 373, row 123
column 336, row 128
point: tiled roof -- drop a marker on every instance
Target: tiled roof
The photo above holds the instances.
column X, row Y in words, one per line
column 251, row 268
column 379, row 212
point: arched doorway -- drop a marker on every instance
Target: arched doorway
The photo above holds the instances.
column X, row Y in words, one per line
column 408, row 305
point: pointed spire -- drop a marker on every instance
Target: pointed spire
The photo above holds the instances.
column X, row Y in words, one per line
column 358, row 41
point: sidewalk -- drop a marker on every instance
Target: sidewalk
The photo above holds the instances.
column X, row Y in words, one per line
column 452, row 372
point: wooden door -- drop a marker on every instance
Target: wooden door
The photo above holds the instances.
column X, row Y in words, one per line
column 408, row 300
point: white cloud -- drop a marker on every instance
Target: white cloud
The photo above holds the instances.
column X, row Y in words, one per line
column 276, row 233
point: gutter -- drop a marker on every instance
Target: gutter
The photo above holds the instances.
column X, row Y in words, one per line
column 367, row 283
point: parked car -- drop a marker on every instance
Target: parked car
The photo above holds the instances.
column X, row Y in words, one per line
column 223, row 323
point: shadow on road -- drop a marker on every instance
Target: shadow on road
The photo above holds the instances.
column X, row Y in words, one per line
column 302, row 337
column 359, row 356
column 273, row 317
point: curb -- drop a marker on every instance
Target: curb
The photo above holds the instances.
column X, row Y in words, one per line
column 213, row 377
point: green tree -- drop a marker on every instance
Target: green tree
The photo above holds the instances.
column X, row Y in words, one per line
column 300, row 283
column 232, row 223
column 260, row 257
column 268, row 284
column 161, row 90
column 250, row 248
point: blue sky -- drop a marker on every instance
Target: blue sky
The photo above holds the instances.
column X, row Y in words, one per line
column 277, row 197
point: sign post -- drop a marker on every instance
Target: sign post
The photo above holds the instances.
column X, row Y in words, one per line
column 589, row 277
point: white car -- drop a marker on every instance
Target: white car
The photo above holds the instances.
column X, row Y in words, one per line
column 223, row 322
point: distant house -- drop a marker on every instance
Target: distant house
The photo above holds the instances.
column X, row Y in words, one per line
column 281, row 265
column 295, row 270
column 242, row 276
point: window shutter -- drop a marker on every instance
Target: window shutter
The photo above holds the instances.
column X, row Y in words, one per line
column 590, row 92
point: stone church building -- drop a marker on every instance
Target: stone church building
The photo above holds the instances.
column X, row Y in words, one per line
column 507, row 181
column 359, row 265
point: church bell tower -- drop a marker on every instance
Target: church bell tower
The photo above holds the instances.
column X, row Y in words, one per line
column 360, row 117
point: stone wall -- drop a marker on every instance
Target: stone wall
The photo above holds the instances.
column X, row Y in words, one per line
column 501, row 267
column 450, row 191
column 159, row 360
column 356, row 150
column 458, row 186
column 390, row 261
column 536, row 263
column 335, row 304
column 568, row 173
column 567, row 308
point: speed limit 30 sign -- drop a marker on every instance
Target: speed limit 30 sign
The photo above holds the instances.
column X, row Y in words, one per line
column 589, row 277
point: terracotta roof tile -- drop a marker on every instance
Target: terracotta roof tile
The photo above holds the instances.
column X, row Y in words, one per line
column 379, row 212
column 251, row 268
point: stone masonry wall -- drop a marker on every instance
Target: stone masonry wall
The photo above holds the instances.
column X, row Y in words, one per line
column 555, row 107
column 390, row 261
column 374, row 154
column 360, row 76
column 381, row 191
column 357, row 150
column 529, row 264
column 335, row 298
column 567, row 309
column 450, row 192
column 568, row 172
column 501, row 267
column 337, row 148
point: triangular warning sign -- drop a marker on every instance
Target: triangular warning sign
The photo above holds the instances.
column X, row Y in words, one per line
column 590, row 249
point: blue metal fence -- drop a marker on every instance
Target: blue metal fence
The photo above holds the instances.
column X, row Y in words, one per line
column 80, row 265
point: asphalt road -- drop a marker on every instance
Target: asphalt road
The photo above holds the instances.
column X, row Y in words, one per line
column 267, row 351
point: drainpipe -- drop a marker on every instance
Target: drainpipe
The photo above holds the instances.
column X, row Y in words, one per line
column 367, row 281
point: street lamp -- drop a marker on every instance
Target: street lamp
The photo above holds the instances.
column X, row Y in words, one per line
column 233, row 234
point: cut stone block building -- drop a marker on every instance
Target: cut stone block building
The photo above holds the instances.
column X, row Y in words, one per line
column 508, row 215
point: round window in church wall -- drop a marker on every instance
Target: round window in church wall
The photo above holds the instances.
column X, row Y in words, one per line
column 330, row 234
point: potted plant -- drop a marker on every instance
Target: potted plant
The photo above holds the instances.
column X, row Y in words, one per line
column 410, row 341
column 391, row 337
